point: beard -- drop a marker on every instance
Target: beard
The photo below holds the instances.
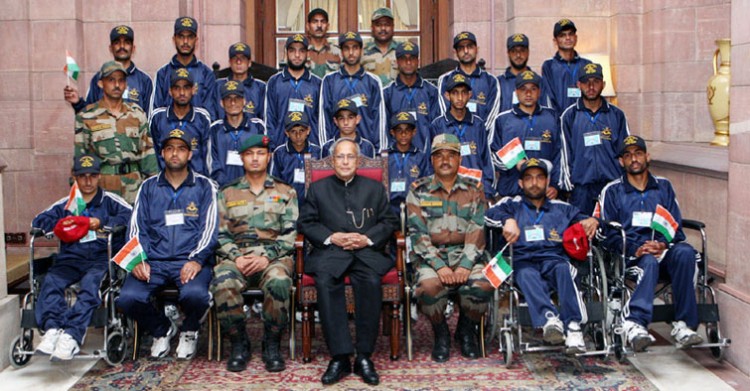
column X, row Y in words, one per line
column 294, row 67
column 518, row 67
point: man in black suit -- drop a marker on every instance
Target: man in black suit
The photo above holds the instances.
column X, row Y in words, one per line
column 347, row 220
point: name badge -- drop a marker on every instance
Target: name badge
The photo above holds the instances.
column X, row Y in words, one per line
column 534, row 233
column 233, row 158
column 357, row 99
column 413, row 114
column 574, row 92
column 90, row 237
column 472, row 106
column 398, row 186
column 296, row 105
column 591, row 139
column 174, row 217
column 515, row 98
column 465, row 149
column 532, row 145
column 299, row 175
column 641, row 219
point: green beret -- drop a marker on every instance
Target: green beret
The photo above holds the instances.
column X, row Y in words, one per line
column 256, row 140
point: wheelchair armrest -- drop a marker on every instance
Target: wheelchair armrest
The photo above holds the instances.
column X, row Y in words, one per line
column 693, row 224
column 36, row 232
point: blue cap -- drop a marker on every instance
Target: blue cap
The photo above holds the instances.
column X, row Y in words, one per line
column 185, row 23
column 239, row 48
column 346, row 104
column 296, row 118
column 403, row 117
column 231, row 87
column 464, row 35
column 350, row 36
column 542, row 164
column 591, row 70
column 458, row 79
column 297, row 38
column 181, row 74
column 86, row 164
column 632, row 141
column 562, row 25
column 186, row 135
column 517, row 40
column 121, row 31
column 528, row 77
column 407, row 47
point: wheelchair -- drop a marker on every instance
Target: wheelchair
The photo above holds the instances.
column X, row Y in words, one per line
column 116, row 334
column 592, row 285
column 622, row 282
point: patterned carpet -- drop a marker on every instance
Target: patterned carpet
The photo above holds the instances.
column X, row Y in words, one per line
column 545, row 371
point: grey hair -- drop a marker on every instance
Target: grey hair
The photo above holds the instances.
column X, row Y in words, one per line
column 336, row 143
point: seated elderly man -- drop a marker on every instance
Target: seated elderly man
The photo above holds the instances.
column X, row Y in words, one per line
column 446, row 226
column 535, row 224
column 82, row 257
column 348, row 221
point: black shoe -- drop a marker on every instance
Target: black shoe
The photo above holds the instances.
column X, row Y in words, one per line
column 271, row 351
column 337, row 370
column 364, row 367
column 441, row 351
column 466, row 335
column 240, row 352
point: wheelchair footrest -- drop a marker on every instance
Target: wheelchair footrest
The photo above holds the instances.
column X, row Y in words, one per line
column 707, row 313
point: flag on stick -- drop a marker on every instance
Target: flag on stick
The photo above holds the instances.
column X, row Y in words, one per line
column 71, row 67
column 130, row 255
column 470, row 172
column 497, row 271
column 75, row 203
column 664, row 223
column 511, row 153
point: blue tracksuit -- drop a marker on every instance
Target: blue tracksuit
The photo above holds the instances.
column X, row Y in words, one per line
column 285, row 94
column 472, row 134
column 541, row 262
column 205, row 80
column 403, row 169
column 560, row 78
column 289, row 166
column 168, row 247
column 197, row 121
column 365, row 89
column 591, row 142
column 508, row 96
column 84, row 261
column 365, row 147
column 485, row 94
column 255, row 97
column 540, row 136
column 140, row 88
column 225, row 141
column 421, row 100
column 632, row 208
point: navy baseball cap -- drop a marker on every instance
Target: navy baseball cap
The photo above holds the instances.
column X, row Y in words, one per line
column 297, row 38
column 239, row 48
column 528, row 77
column 186, row 135
column 86, row 164
column 562, row 25
column 403, row 117
column 185, row 23
column 181, row 74
column 347, row 104
column 632, row 141
column 464, row 35
column 296, row 118
column 231, row 88
column 457, row 80
column 121, row 31
column 591, row 71
column 407, row 47
column 543, row 164
column 517, row 40
column 350, row 36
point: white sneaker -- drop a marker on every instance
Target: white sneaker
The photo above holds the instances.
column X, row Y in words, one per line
column 49, row 340
column 684, row 336
column 553, row 330
column 574, row 343
column 66, row 348
column 188, row 345
column 637, row 335
column 160, row 346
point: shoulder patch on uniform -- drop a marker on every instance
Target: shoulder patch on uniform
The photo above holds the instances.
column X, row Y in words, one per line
column 232, row 183
column 421, row 182
column 277, row 180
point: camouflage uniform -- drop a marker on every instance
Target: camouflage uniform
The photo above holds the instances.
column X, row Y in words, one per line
column 383, row 65
column 323, row 61
column 122, row 143
column 446, row 229
column 255, row 224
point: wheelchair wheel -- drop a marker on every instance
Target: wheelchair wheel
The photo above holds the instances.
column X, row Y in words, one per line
column 506, row 347
column 20, row 344
column 117, row 347
column 714, row 336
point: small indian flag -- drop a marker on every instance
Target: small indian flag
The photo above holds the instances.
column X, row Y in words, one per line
column 71, row 67
column 75, row 203
column 511, row 153
column 597, row 210
column 664, row 222
column 130, row 255
column 497, row 270
column 470, row 172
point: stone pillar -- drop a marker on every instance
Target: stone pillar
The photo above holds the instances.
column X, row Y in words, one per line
column 9, row 314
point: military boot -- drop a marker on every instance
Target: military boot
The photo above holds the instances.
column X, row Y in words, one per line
column 441, row 351
column 240, row 351
column 466, row 336
column 272, row 350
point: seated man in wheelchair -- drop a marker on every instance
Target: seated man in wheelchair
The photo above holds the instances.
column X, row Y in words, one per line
column 175, row 221
column 82, row 257
column 534, row 224
column 446, row 228
column 638, row 201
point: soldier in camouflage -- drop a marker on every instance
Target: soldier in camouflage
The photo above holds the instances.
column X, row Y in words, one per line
column 322, row 57
column 117, row 132
column 257, row 220
column 446, row 230
column 380, row 54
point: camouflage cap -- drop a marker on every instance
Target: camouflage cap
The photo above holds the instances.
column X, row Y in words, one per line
column 445, row 141
column 239, row 48
column 590, row 71
column 350, row 36
column 456, row 80
column 407, row 47
column 403, row 117
column 346, row 104
column 297, row 38
column 255, row 140
column 381, row 13
column 462, row 36
column 231, row 87
column 631, row 141
column 121, row 31
column 296, row 118
column 110, row 67
column 562, row 25
column 517, row 40
column 542, row 164
column 86, row 164
column 181, row 74
column 185, row 23
column 528, row 76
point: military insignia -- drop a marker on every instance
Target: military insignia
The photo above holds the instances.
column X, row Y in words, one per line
column 408, row 46
column 298, row 38
column 232, row 204
column 422, row 108
column 122, row 30
column 232, row 85
column 630, row 140
column 240, row 47
column 554, row 236
column 133, row 94
column 182, row 72
column 186, row 22
column 99, row 127
column 414, row 171
column 403, row 116
column 194, row 144
column 518, row 38
column 309, row 100
column 250, row 107
column 527, row 75
column 546, row 136
column 344, row 103
column 533, row 162
column 86, row 161
column 363, row 98
column 589, row 68
column 459, row 78
column 463, row 35
column 606, row 134
column 350, row 35
column 191, row 210
column 295, row 116
column 481, row 97
column 564, row 22
column 176, row 133
column 275, row 199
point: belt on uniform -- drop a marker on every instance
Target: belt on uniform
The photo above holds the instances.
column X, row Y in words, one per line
column 119, row 169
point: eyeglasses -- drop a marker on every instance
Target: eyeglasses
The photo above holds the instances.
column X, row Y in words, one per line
column 345, row 157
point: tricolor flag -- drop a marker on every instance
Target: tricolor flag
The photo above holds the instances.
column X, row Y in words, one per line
column 597, row 210
column 71, row 68
column 75, row 203
column 497, row 270
column 511, row 153
column 130, row 255
column 664, row 222
column 470, row 172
